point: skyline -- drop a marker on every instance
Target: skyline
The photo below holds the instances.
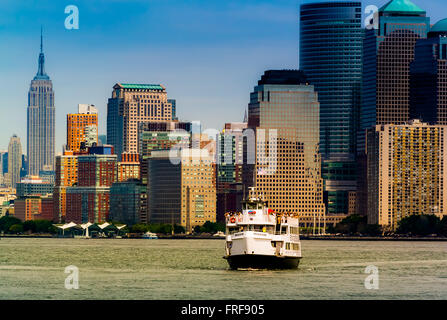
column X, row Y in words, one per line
column 226, row 46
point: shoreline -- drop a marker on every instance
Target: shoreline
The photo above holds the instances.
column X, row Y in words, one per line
column 302, row 237
column 358, row 238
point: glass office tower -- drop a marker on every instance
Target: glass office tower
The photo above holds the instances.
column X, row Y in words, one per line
column 331, row 57
column 428, row 77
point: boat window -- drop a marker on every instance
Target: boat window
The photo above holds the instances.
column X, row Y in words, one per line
column 295, row 246
column 250, row 205
column 287, row 246
column 233, row 230
column 294, row 230
column 283, row 229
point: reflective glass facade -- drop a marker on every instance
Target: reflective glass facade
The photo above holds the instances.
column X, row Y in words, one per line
column 331, row 57
column 331, row 38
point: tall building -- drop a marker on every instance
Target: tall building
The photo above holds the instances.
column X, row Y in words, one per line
column 34, row 186
column 66, row 176
column 286, row 169
column 161, row 136
column 428, row 77
column 387, row 54
column 2, row 170
column 331, row 39
column 130, row 105
column 230, row 153
column 82, row 128
column 129, row 167
column 181, row 188
column 407, row 172
column 41, row 121
column 34, row 208
column 128, row 202
column 173, row 103
column 14, row 161
column 89, row 200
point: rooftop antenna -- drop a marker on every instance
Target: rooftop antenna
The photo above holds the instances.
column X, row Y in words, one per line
column 41, row 39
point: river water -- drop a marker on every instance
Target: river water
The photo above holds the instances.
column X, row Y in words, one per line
column 194, row 269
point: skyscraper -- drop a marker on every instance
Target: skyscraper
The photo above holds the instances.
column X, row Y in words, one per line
column 41, row 121
column 66, row 176
column 428, row 77
column 406, row 172
column 230, row 145
column 14, row 161
column 82, row 127
column 331, row 57
column 387, row 54
column 89, row 200
column 130, row 105
column 284, row 113
column 181, row 188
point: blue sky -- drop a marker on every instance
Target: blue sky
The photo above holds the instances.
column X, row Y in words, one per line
column 209, row 54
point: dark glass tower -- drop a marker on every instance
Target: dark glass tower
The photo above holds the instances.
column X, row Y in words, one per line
column 428, row 77
column 41, row 121
column 331, row 56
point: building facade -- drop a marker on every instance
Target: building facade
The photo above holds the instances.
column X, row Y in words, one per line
column 34, row 186
column 331, row 39
column 66, row 176
column 181, row 188
column 230, row 149
column 14, row 162
column 130, row 105
column 387, row 54
column 128, row 202
column 284, row 115
column 129, row 167
column 34, row 208
column 41, row 121
column 407, row 172
column 82, row 128
column 89, row 200
column 428, row 77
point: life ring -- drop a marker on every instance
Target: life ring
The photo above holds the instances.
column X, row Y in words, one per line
column 233, row 220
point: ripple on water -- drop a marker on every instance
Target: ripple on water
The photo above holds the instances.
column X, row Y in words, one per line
column 194, row 269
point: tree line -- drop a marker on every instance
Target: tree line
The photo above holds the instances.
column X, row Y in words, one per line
column 413, row 225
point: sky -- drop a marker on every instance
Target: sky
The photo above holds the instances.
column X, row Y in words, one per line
column 209, row 54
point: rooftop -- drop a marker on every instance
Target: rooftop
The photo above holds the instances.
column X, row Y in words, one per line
column 141, row 86
column 440, row 26
column 401, row 6
column 284, row 77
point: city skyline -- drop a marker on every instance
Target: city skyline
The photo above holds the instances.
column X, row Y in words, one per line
column 233, row 46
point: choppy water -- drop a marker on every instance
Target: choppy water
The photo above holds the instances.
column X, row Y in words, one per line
column 194, row 269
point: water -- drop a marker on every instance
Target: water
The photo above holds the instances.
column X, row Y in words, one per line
column 194, row 269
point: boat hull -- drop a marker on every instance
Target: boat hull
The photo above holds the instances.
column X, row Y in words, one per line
column 253, row 261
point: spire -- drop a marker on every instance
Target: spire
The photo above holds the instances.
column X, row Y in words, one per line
column 41, row 40
column 41, row 75
column 245, row 116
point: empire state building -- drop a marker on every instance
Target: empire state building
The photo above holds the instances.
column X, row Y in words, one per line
column 41, row 121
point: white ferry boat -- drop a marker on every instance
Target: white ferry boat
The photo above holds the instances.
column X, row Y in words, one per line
column 259, row 238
